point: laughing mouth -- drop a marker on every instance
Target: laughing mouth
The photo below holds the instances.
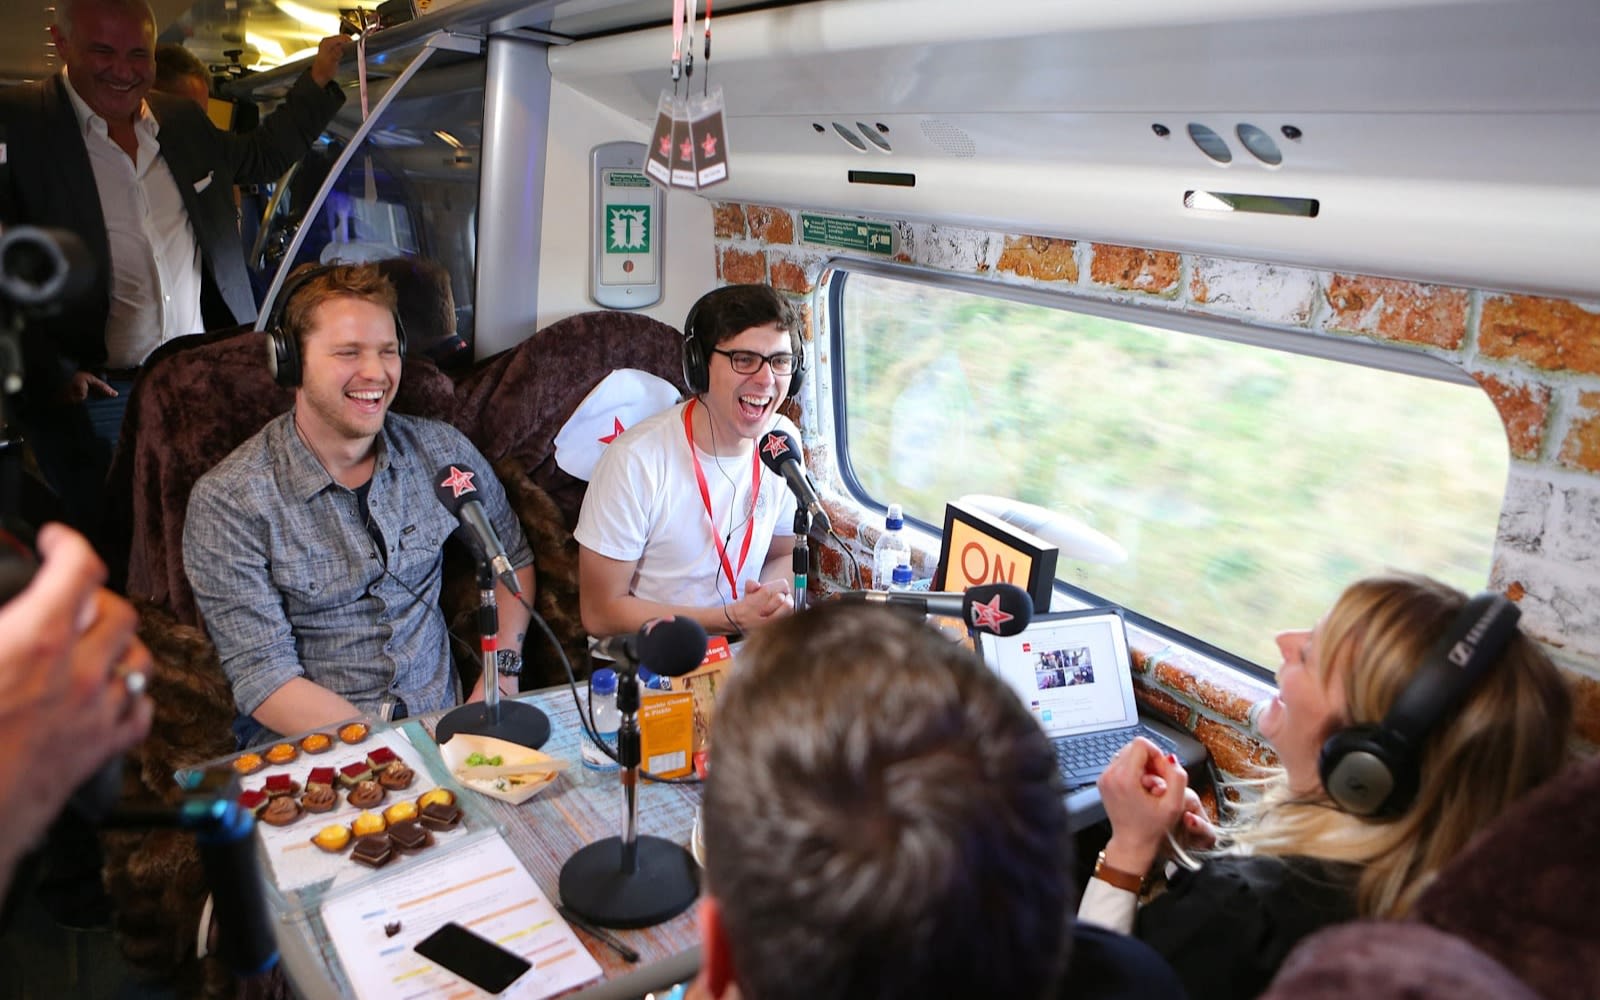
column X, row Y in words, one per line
column 366, row 395
column 757, row 403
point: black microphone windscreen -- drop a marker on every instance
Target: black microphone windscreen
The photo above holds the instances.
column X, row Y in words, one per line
column 454, row 485
column 776, row 448
column 998, row 608
column 672, row 646
column 228, row 854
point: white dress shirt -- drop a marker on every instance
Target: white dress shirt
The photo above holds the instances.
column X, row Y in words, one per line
column 155, row 259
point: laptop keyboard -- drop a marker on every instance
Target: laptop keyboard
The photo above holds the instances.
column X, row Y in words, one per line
column 1084, row 757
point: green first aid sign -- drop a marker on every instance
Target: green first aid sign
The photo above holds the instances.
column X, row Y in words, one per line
column 628, row 229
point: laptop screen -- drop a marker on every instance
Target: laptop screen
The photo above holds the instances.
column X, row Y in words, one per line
column 1071, row 668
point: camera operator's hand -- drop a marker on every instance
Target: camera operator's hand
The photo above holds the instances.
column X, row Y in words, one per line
column 71, row 675
column 82, row 384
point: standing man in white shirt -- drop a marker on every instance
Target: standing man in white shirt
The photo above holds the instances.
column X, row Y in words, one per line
column 146, row 181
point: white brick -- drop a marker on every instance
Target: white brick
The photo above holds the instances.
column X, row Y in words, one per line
column 949, row 248
column 1524, row 512
column 1266, row 293
column 1574, row 535
column 1559, row 607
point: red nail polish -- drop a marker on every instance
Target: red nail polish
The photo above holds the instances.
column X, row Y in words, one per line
column 1172, row 757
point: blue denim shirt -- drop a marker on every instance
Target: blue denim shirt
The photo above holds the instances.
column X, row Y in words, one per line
column 290, row 583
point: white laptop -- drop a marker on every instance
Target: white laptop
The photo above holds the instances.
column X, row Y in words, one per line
column 1073, row 671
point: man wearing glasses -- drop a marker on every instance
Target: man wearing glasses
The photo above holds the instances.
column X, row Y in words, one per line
column 681, row 517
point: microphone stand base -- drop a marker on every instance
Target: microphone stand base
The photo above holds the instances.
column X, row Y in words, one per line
column 518, row 723
column 594, row 886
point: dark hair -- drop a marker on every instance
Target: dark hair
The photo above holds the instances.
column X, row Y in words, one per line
column 174, row 61
column 723, row 313
column 883, row 818
column 424, row 301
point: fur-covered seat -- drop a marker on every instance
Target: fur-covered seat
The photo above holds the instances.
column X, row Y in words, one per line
column 1513, row 916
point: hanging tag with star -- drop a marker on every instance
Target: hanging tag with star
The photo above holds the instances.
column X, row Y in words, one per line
column 658, row 158
column 708, row 133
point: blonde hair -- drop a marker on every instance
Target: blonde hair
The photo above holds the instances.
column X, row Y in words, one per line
column 310, row 285
column 1508, row 735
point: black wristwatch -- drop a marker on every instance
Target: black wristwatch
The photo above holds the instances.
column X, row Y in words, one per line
column 508, row 662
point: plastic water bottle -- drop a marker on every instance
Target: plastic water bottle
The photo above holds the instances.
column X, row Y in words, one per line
column 607, row 720
column 901, row 579
column 891, row 550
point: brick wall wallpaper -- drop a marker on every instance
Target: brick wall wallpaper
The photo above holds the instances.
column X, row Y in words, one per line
column 1537, row 358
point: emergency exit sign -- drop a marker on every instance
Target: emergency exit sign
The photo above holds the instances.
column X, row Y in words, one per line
column 850, row 234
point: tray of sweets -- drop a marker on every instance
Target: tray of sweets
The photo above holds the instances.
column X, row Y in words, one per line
column 338, row 806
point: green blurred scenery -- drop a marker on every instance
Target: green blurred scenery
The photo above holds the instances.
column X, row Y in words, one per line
column 1248, row 485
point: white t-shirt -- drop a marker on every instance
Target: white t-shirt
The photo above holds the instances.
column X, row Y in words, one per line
column 643, row 504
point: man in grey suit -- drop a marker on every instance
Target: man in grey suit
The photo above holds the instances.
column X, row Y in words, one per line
column 146, row 181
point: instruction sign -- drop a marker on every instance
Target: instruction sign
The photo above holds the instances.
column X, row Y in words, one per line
column 850, row 234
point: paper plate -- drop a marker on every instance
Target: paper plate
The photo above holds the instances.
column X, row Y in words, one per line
column 507, row 789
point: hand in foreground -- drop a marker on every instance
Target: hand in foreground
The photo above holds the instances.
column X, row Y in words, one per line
column 761, row 603
column 82, row 384
column 1141, row 816
column 67, row 650
column 325, row 65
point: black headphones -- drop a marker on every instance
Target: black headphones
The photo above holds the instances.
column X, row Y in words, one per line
column 697, row 352
column 1374, row 770
column 283, row 348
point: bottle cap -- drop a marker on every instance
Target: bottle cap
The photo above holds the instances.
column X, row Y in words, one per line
column 896, row 519
column 902, row 575
column 604, row 681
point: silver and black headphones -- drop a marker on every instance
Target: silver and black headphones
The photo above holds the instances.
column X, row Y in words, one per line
column 1374, row 770
column 697, row 343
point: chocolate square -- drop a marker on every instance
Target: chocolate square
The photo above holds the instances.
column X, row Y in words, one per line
column 408, row 836
column 373, row 850
column 440, row 816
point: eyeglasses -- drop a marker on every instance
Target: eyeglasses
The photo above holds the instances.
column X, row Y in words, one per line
column 749, row 362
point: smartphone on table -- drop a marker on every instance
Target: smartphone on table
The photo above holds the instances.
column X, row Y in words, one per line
column 473, row 957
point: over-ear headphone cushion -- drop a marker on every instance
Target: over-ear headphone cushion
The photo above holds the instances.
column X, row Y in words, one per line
column 1367, row 771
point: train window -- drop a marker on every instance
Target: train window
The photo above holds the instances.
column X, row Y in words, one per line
column 1222, row 488
column 411, row 189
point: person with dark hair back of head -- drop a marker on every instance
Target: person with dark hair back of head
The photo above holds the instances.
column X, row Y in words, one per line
column 180, row 72
column 883, row 819
column 427, row 305
column 680, row 517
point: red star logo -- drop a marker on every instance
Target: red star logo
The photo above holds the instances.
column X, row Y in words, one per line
column 989, row 615
column 686, row 150
column 775, row 446
column 708, row 145
column 666, row 146
column 616, row 431
column 459, row 481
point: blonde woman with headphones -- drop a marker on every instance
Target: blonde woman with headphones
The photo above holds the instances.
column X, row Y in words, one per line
column 1406, row 720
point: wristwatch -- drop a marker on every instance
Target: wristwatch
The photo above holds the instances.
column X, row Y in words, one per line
column 1124, row 880
column 508, row 662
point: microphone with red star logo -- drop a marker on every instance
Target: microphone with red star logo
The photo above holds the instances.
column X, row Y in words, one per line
column 781, row 454
column 454, row 487
column 996, row 608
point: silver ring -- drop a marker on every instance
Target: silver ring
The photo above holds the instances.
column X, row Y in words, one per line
column 135, row 681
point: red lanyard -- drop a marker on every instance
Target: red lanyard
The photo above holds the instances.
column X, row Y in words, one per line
column 705, row 498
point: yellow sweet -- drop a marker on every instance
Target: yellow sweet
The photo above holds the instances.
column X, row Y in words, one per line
column 332, row 838
column 443, row 796
column 400, row 812
column 368, row 823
